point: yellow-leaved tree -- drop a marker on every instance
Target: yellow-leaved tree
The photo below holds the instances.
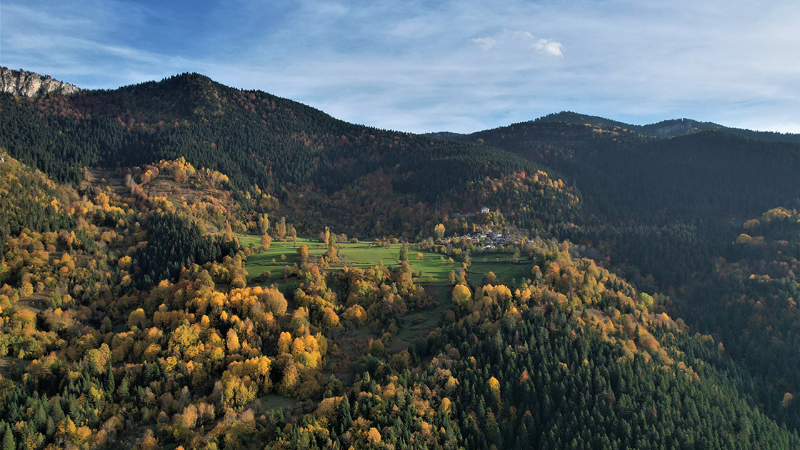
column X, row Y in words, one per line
column 494, row 386
column 461, row 295
column 438, row 231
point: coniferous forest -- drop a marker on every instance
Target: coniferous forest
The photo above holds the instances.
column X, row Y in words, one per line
column 189, row 265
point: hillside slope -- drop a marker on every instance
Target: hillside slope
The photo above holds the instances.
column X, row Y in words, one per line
column 94, row 355
column 708, row 175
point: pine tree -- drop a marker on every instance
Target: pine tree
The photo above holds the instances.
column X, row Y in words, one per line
column 111, row 385
column 345, row 418
column 8, row 440
column 50, row 427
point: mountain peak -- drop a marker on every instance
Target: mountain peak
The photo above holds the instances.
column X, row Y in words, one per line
column 31, row 84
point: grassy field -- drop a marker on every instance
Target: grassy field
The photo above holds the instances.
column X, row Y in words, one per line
column 502, row 265
column 278, row 255
column 429, row 268
column 364, row 255
column 433, row 267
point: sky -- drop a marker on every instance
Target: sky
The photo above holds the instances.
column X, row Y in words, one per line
column 421, row 66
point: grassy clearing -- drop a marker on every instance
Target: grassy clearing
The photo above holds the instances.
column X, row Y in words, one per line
column 273, row 402
column 363, row 255
column 429, row 268
column 501, row 264
column 418, row 325
column 278, row 255
column 433, row 267
column 5, row 365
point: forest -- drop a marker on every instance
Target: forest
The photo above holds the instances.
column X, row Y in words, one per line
column 189, row 265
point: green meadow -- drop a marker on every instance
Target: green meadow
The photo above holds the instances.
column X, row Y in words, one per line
column 502, row 265
column 429, row 268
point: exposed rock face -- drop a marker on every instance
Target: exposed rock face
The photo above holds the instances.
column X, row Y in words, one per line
column 30, row 84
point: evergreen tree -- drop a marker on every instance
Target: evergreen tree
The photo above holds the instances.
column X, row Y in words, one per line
column 8, row 440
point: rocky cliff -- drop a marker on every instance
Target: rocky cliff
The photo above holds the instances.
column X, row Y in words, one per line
column 30, row 84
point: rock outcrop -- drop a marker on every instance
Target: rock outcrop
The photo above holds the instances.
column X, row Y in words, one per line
column 30, row 84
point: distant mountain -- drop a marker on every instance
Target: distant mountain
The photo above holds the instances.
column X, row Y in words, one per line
column 582, row 119
column 666, row 128
column 31, row 84
column 445, row 135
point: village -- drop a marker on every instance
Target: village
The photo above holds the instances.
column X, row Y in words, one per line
column 487, row 240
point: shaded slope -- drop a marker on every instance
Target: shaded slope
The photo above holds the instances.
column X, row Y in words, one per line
column 707, row 175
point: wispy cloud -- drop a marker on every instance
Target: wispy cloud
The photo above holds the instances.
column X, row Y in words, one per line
column 549, row 47
column 455, row 65
column 511, row 39
column 486, row 43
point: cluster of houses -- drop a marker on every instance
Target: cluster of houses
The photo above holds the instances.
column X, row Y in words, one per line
column 489, row 240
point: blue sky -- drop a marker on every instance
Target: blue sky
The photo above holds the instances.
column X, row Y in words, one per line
column 447, row 65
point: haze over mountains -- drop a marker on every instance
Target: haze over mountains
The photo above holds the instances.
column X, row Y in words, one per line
column 578, row 282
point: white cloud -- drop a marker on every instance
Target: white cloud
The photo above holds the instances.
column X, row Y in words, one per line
column 524, row 35
column 544, row 46
column 549, row 47
column 486, row 43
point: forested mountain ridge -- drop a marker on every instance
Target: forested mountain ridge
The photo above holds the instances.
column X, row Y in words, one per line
column 694, row 189
column 710, row 174
column 271, row 146
column 663, row 129
column 667, row 128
